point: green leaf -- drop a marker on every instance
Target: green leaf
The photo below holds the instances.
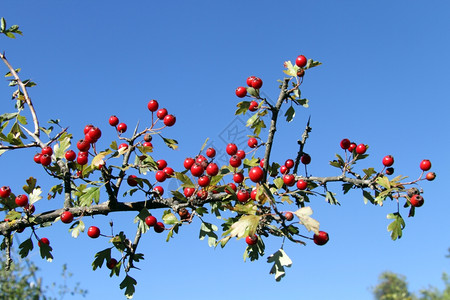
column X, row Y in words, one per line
column 291, row 70
column 13, row 215
column 172, row 230
column 31, row 184
column 140, row 219
column 61, row 148
column 303, row 102
column 76, row 228
column 35, row 195
column 25, row 247
column 383, row 181
column 56, row 189
column 204, row 144
column 252, row 92
column 290, row 114
column 255, row 251
column 98, row 159
column 347, row 187
column 10, row 74
column 311, row 64
column 331, row 199
column 207, row 229
column 184, row 179
column 279, row 260
column 100, row 257
column 244, row 227
column 46, row 252
column 369, row 172
column 368, row 197
column 242, row 107
column 172, row 144
column 278, row 182
column 89, row 195
column 396, row 226
column 3, row 25
column 252, row 120
column 128, row 284
column 169, row 218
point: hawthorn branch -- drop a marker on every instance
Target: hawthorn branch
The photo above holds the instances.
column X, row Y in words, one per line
column 302, row 142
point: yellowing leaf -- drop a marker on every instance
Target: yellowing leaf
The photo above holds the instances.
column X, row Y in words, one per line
column 304, row 214
column 245, row 226
column 35, row 195
column 98, row 159
column 291, row 70
column 279, row 260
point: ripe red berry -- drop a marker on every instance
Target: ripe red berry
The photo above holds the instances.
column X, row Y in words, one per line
column 47, row 150
column 232, row 186
column 361, row 149
column 94, row 134
column 70, row 155
column 289, row 163
column 212, row 169
column 169, row 171
column 150, row 221
column 388, row 160
column 43, row 240
column 203, row 181
column 235, row 161
column 345, row 143
column 66, row 217
column 321, row 238
column 241, row 92
column 289, row 216
column 45, row 159
column 21, row 200
column 210, row 152
column 416, row 200
column 82, row 159
column 425, row 165
column 302, row 185
column 111, row 263
column 200, row 158
column 305, row 159
column 240, row 154
column 37, row 158
column 301, row 61
column 159, row 190
column 238, row 177
column 83, row 145
column 430, row 176
column 231, row 149
column 152, row 105
column 253, row 194
column 252, row 142
column 160, row 176
column 289, row 179
column 113, row 121
column 253, row 106
column 169, row 120
column 188, row 162
column 93, row 232
column 188, row 192
column 202, row 194
column 197, row 170
column 131, row 180
column 147, row 144
column 161, row 164
column 123, row 146
column 351, row 147
column 161, row 113
column 257, row 83
column 159, row 227
column 256, row 174
column 284, row 169
column 251, row 240
column 122, row 127
column 29, row 208
column 243, row 195
column 5, row 191
column 250, row 80
column 261, row 163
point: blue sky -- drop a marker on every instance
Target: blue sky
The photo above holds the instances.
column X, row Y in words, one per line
column 383, row 83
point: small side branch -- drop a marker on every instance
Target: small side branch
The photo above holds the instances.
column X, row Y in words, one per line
column 302, row 142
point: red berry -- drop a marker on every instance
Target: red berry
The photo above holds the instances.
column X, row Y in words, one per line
column 131, row 180
column 289, row 179
column 122, row 127
column 37, row 158
column 188, row 162
column 361, row 149
column 188, row 192
column 261, row 163
column 321, row 238
column 302, row 185
column 388, row 160
column 160, row 176
column 253, row 194
column 161, row 113
column 243, row 195
column 93, row 232
column 240, row 154
column 345, row 143
column 5, row 191
column 203, row 181
column 159, row 227
column 95, row 133
column 238, row 177
column 289, row 216
column 252, row 142
column 301, row 61
column 284, row 169
column 113, row 121
column 46, row 159
column 159, row 190
column 235, row 161
column 289, row 163
column 425, row 165
column 202, row 194
column 169, row 120
column 430, row 176
column 87, row 128
column 256, row 174
column 231, row 186
column 152, row 105
column 66, row 217
column 253, row 106
column 124, row 146
column 43, row 240
column 251, row 240
column 82, row 159
column 150, row 221
column 197, row 170
column 210, row 152
column 250, row 80
column 22, row 200
column 83, row 145
column 257, row 83
column 47, row 150
column 241, row 92
column 70, row 155
column 200, row 158
column 305, row 159
column 147, row 144
column 416, row 200
column 161, row 164
column 30, row 208
column 169, row 171
column 212, row 169
column 231, row 149
column 111, row 263
column 351, row 147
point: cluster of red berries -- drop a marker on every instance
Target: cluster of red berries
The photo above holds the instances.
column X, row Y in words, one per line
column 350, row 146
column 20, row 200
column 44, row 157
column 254, row 82
column 162, row 114
column 151, row 221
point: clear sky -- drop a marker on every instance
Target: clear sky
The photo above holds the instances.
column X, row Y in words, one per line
column 383, row 83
